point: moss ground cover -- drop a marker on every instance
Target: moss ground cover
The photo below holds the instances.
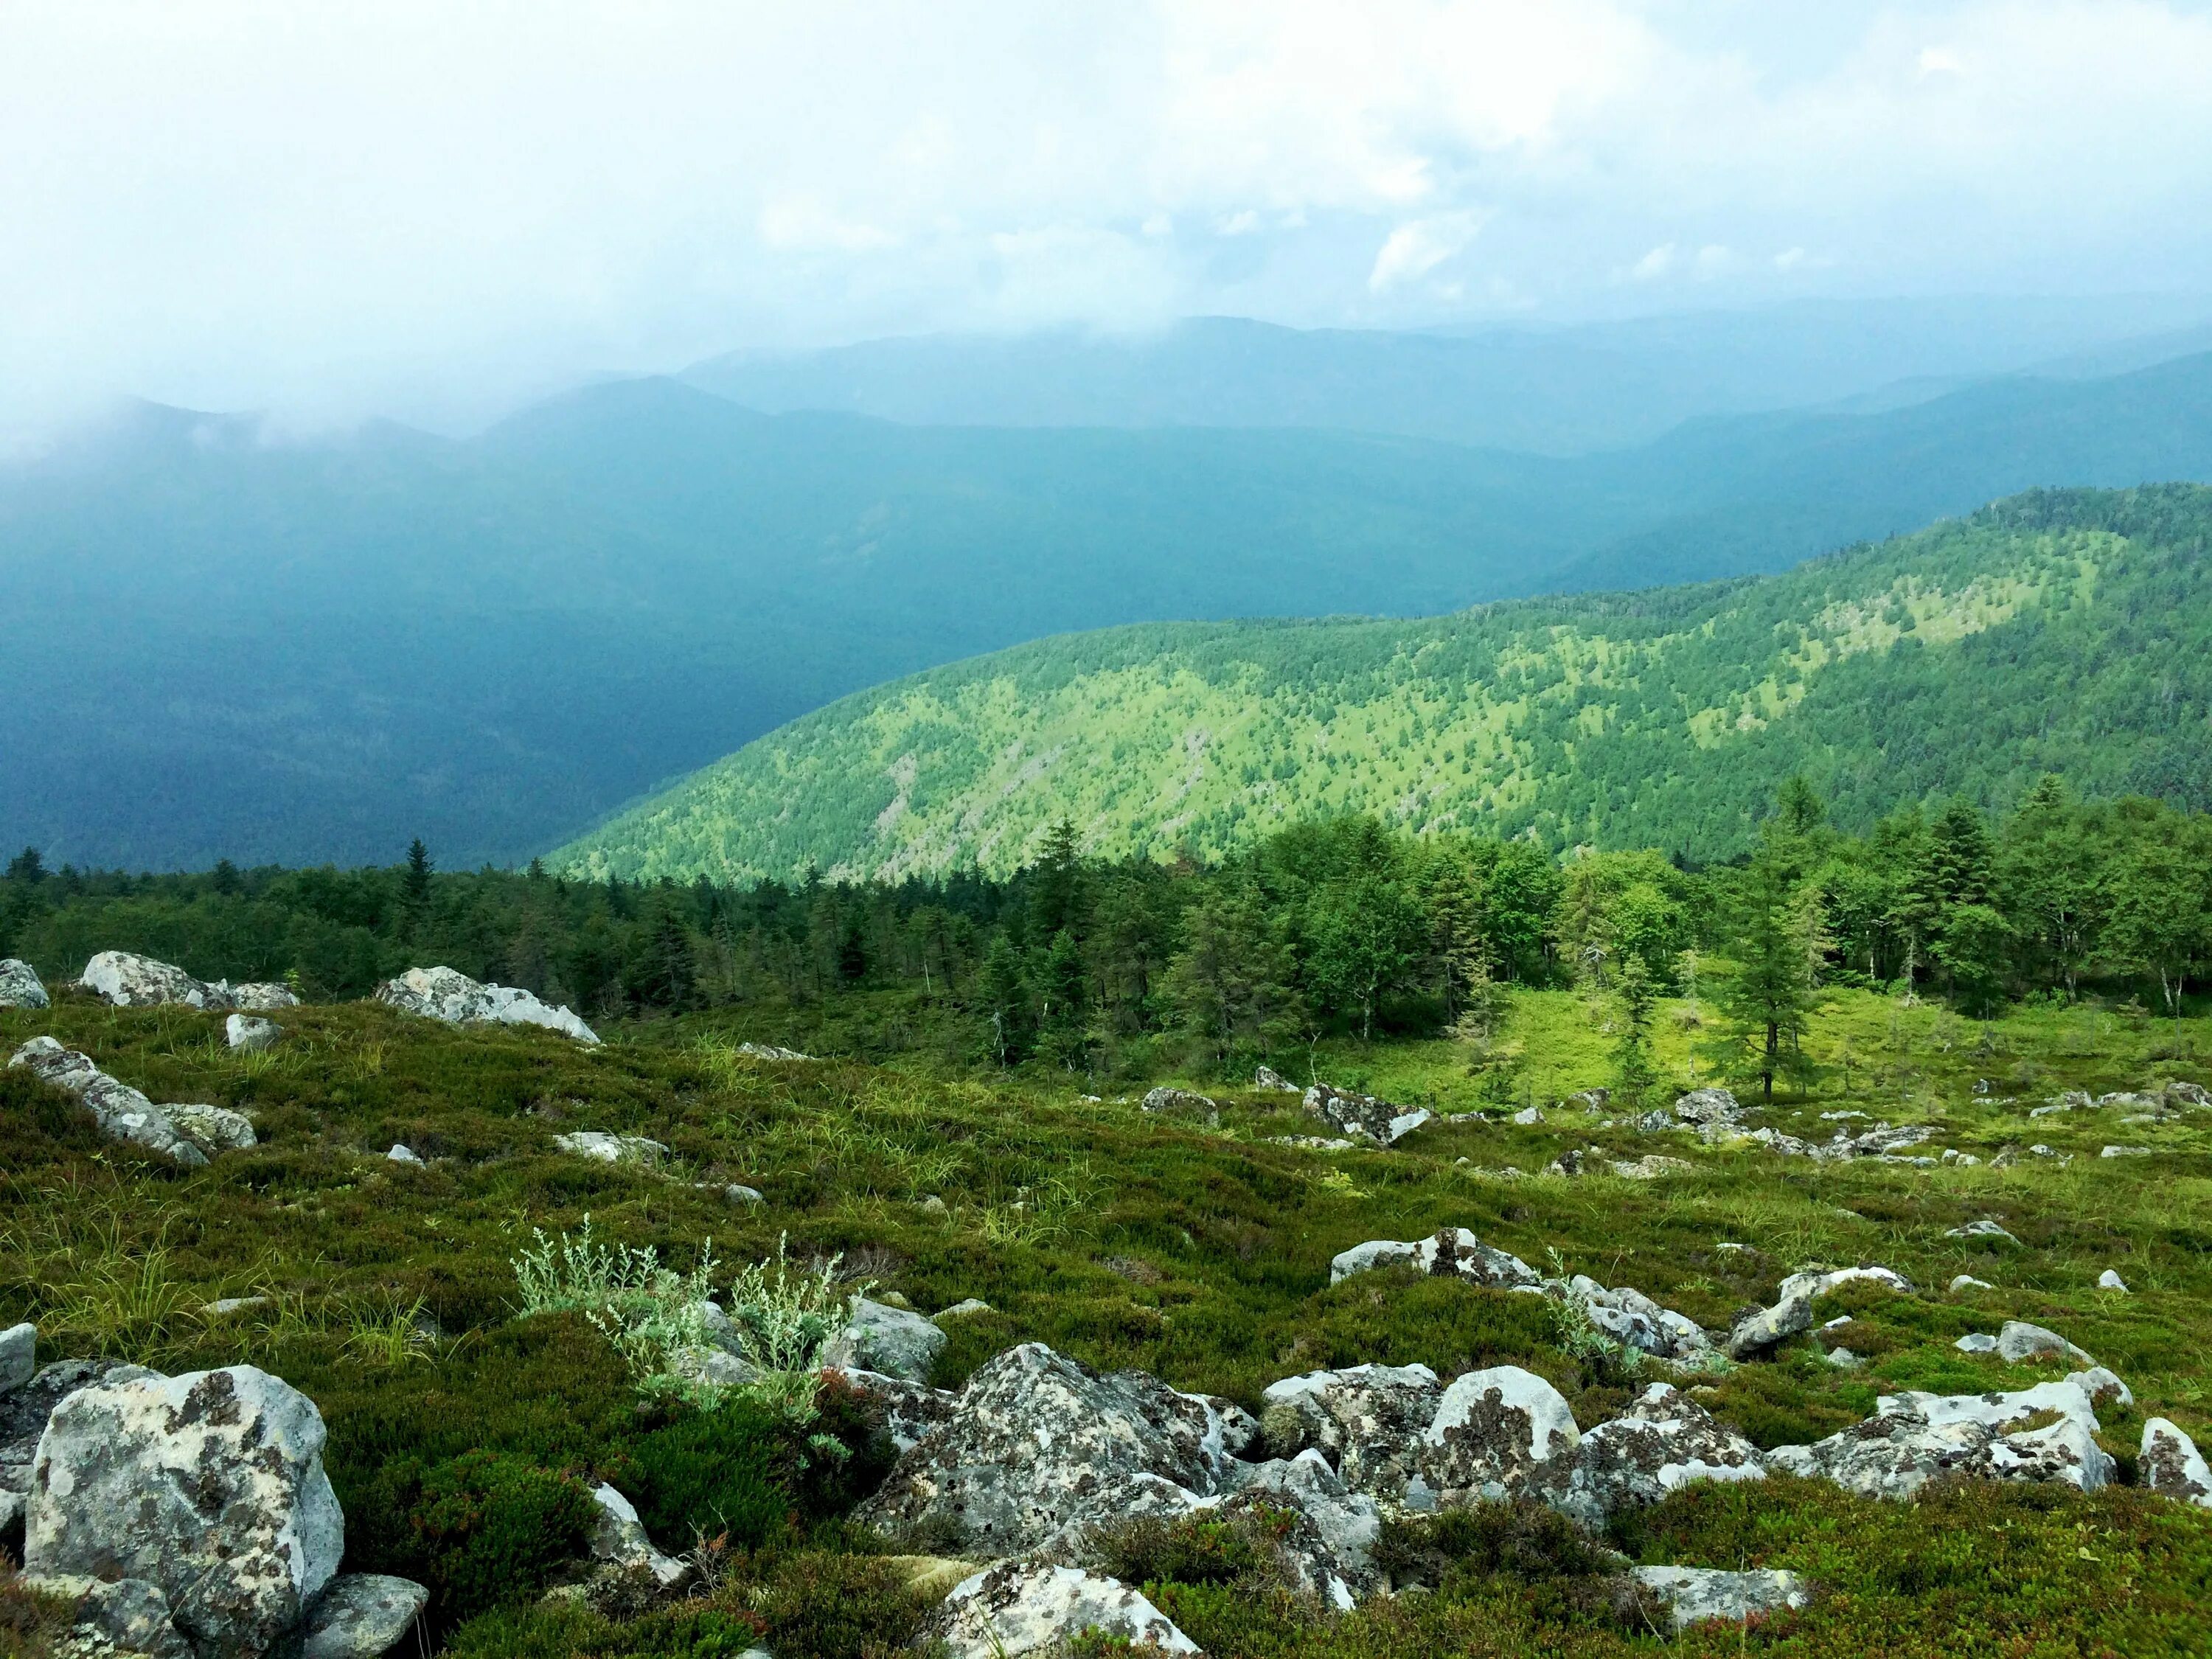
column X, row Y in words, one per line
column 461, row 1433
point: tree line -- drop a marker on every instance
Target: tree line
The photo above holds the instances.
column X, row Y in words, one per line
column 1332, row 927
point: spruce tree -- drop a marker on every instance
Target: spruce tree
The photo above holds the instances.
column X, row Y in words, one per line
column 1003, row 997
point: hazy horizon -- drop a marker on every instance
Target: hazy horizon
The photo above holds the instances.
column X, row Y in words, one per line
column 434, row 216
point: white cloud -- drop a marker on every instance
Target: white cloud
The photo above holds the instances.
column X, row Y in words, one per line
column 434, row 211
column 1418, row 246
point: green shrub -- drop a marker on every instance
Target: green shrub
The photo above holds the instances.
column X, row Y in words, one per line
column 713, row 1473
column 1194, row 1549
column 486, row 1527
column 817, row 1604
column 567, row 1630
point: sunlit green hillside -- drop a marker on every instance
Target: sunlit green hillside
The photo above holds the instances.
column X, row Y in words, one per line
column 2055, row 631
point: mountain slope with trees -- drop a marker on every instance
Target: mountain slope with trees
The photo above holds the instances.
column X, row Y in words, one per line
column 2058, row 632
column 302, row 650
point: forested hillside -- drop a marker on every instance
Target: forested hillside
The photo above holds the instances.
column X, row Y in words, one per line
column 2056, row 632
column 294, row 650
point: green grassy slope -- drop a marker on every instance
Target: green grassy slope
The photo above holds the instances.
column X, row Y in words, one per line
column 2058, row 631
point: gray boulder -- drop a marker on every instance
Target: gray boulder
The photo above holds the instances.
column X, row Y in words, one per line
column 1020, row 1607
column 910, row 1410
column 1452, row 1252
column 1367, row 1420
column 1694, row 1594
column 2020, row 1341
column 1982, row 1229
column 262, row 997
column 19, row 1350
column 361, row 1615
column 121, row 1111
column 1039, row 1447
column 1345, row 1521
column 1792, row 1311
column 403, row 1153
column 1705, row 1106
column 1500, row 1434
column 1635, row 1320
column 212, row 1128
column 441, row 993
column 893, row 1340
column 208, row 1487
column 769, row 1051
column 1914, row 1437
column 604, row 1148
column 20, row 986
column 1363, row 1117
column 2172, row 1466
column 618, row 1539
column 126, row 1616
column 251, row 1033
column 1666, row 1441
column 129, row 980
column 1274, row 1082
column 24, row 1410
column 1182, row 1103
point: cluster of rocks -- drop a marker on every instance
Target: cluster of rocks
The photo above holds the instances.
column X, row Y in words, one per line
column 1624, row 1316
column 1363, row 1117
column 186, row 1133
column 127, row 980
column 444, row 994
column 187, row 1517
column 1038, row 1453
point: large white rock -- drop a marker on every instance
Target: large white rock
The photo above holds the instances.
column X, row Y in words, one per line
column 1363, row 1117
column 122, row 1112
column 1500, row 1433
column 209, row 1486
column 1039, row 1448
column 604, row 1148
column 1367, row 1420
column 1020, row 1607
column 2172, row 1466
column 1450, row 1253
column 251, row 1033
column 19, row 985
column 1913, row 1437
column 441, row 993
column 2020, row 1341
column 1694, row 1594
column 896, row 1341
column 129, row 981
column 1665, row 1442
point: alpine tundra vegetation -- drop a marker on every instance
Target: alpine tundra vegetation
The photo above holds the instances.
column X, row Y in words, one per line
column 1361, row 1244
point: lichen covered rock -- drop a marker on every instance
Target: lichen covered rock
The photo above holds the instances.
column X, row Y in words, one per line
column 208, row 1487
column 441, row 993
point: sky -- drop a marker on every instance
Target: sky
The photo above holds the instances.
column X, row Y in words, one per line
column 434, row 209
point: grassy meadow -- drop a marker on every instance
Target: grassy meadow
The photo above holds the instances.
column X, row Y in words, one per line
column 461, row 1431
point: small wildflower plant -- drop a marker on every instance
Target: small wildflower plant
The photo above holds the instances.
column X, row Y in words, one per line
column 651, row 1313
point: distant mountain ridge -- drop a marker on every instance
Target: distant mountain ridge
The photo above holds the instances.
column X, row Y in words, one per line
column 224, row 647
column 1560, row 391
column 2060, row 631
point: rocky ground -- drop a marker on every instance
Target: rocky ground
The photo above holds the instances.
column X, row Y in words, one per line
column 1400, row 1363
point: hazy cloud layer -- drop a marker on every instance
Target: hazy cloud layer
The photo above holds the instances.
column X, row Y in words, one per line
column 433, row 210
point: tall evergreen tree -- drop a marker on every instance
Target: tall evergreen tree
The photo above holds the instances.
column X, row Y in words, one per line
column 1002, row 996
